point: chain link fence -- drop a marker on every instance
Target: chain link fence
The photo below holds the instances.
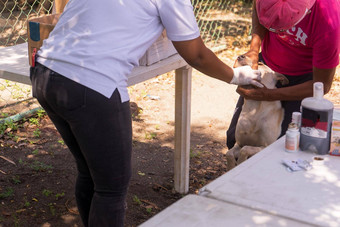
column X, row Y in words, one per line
column 223, row 25
column 16, row 101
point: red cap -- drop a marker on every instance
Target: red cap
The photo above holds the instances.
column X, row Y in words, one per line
column 282, row 14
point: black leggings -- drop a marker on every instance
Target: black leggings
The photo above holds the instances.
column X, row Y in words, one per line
column 98, row 132
column 289, row 107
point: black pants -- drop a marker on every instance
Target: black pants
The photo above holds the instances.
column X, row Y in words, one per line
column 98, row 132
column 289, row 107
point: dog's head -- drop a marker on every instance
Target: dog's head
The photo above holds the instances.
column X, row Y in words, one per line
column 243, row 60
column 269, row 78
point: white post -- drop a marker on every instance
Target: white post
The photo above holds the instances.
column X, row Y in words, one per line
column 182, row 129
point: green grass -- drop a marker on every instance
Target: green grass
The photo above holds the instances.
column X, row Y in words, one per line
column 9, row 192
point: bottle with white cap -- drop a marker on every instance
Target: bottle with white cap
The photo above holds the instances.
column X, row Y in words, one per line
column 296, row 118
column 292, row 138
column 316, row 121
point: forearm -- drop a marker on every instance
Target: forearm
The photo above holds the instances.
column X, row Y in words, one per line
column 196, row 54
column 211, row 65
column 203, row 59
column 258, row 32
column 296, row 92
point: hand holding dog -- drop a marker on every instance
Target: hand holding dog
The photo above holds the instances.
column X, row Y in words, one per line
column 254, row 93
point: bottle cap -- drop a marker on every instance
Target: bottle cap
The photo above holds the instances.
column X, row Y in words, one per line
column 318, row 90
column 296, row 118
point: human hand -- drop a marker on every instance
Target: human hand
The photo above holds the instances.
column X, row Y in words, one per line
column 253, row 93
column 245, row 75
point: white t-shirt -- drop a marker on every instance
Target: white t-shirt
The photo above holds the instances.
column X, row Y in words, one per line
column 98, row 42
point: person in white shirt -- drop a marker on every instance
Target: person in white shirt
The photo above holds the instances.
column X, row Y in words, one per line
column 80, row 79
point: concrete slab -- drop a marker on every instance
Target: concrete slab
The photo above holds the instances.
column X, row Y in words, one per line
column 263, row 183
column 194, row 211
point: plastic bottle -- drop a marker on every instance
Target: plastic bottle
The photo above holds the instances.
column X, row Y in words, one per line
column 316, row 122
column 296, row 118
column 292, row 138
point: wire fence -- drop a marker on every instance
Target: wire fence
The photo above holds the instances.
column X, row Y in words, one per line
column 220, row 23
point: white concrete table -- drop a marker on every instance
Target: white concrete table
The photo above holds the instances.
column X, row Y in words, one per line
column 263, row 183
column 14, row 66
column 199, row 211
column 262, row 192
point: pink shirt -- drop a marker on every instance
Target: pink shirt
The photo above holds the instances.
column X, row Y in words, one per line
column 315, row 41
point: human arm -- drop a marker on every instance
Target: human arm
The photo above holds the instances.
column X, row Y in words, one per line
column 296, row 92
column 258, row 34
column 196, row 54
column 178, row 18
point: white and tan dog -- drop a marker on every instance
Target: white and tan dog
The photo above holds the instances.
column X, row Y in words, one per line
column 259, row 123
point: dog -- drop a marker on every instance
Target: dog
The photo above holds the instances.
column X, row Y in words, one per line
column 259, row 123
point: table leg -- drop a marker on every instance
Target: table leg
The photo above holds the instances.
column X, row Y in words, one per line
column 182, row 128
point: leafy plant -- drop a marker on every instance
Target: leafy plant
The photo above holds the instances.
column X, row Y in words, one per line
column 37, row 132
column 149, row 210
column 7, row 124
column 137, row 200
column 40, row 166
column 26, row 203
column 46, row 192
column 52, row 208
column 34, row 121
column 41, row 113
column 16, row 180
column 4, row 115
column 59, row 195
column 12, row 125
column 150, row 135
column 7, row 193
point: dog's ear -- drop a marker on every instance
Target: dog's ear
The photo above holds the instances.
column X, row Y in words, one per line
column 283, row 80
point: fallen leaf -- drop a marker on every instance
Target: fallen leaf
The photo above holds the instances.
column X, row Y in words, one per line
column 141, row 173
column 5, row 213
column 21, row 210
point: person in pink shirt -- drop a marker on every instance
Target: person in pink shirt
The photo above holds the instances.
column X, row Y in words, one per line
column 300, row 39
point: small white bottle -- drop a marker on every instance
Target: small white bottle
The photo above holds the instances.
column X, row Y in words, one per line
column 292, row 138
column 296, row 118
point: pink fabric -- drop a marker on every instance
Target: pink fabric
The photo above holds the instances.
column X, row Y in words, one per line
column 314, row 41
column 281, row 14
